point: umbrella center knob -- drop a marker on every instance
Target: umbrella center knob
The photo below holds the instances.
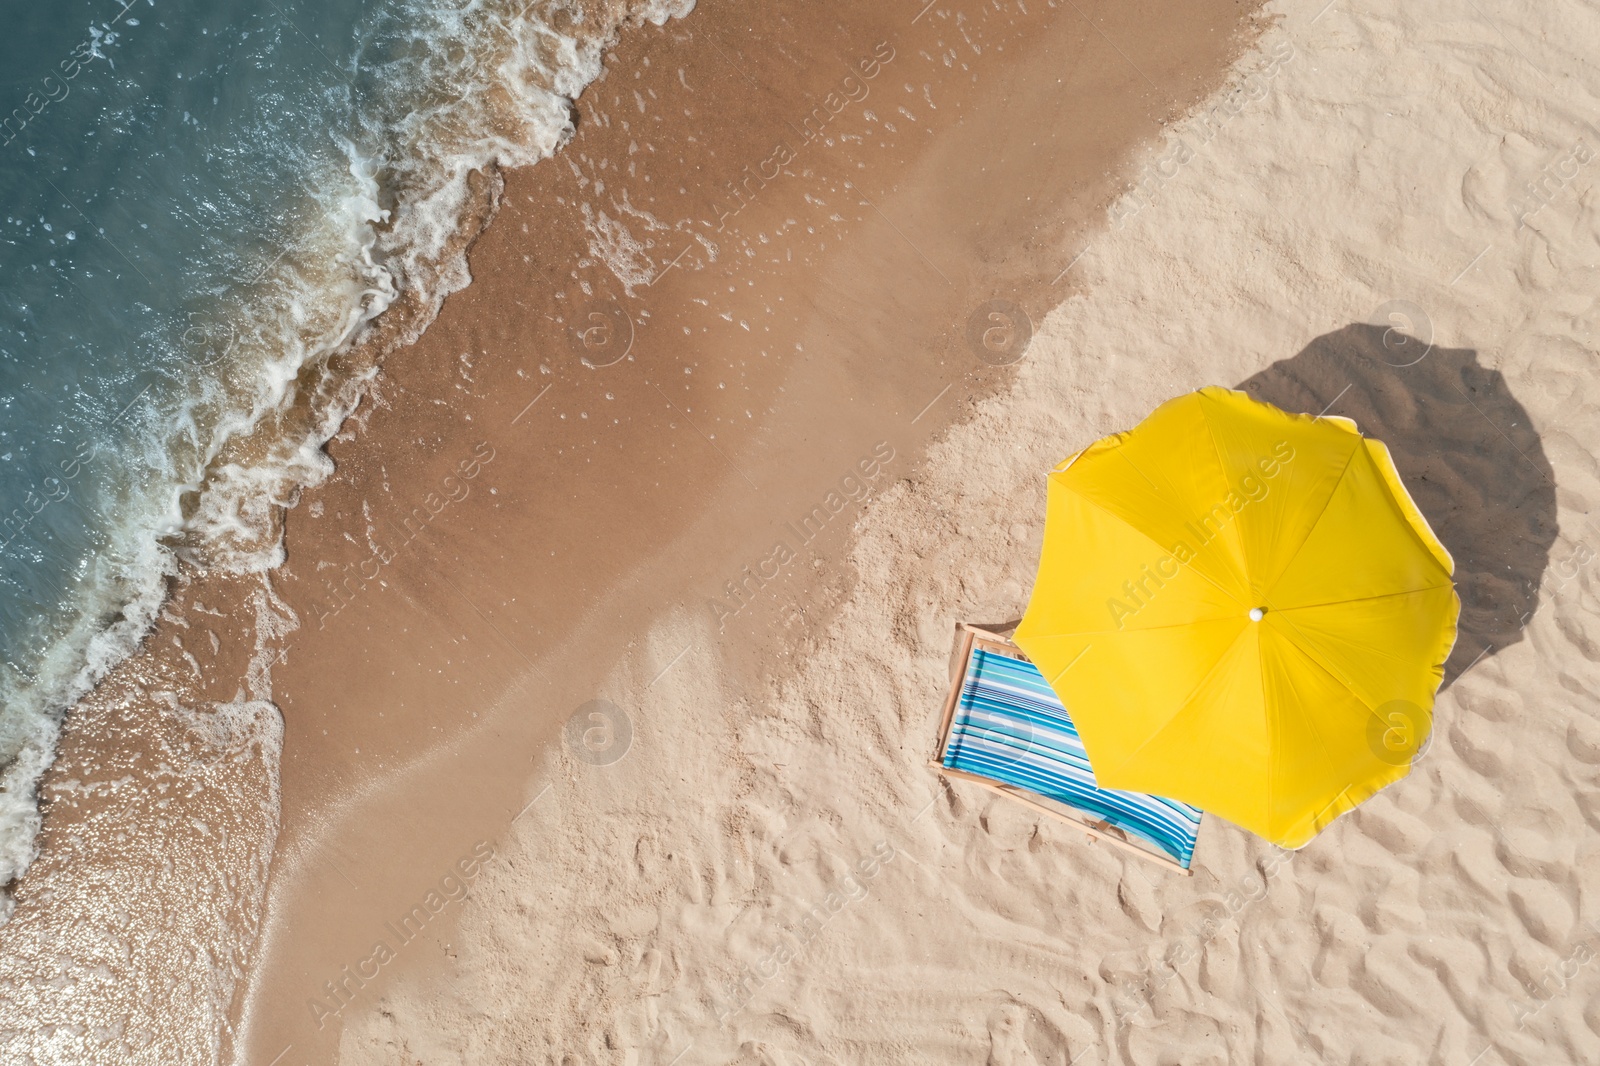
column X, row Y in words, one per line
column 1256, row 613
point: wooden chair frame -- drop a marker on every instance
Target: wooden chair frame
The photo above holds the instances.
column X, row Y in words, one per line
column 968, row 637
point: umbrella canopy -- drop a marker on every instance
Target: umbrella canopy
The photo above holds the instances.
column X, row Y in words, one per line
column 1242, row 609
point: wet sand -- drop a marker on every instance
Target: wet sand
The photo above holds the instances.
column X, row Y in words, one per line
column 810, row 346
column 1387, row 216
column 788, row 292
column 784, row 250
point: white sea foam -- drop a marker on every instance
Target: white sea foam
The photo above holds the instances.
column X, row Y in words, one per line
column 487, row 85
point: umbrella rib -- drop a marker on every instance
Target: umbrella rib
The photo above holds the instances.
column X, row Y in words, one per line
column 1134, row 629
column 1222, row 468
column 1157, row 490
column 1312, row 724
column 1339, row 679
column 1327, row 668
column 1362, row 599
column 1182, row 704
column 1374, row 651
column 1312, row 528
column 1272, row 749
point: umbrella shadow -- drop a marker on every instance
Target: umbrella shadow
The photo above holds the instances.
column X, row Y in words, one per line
column 1465, row 449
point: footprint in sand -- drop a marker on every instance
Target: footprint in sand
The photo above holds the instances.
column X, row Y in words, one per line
column 1020, row 1036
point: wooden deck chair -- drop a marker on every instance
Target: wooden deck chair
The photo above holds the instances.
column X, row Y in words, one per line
column 1005, row 729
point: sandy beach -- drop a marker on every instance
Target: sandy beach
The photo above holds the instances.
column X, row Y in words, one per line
column 615, row 646
column 650, row 909
column 697, row 344
column 740, row 413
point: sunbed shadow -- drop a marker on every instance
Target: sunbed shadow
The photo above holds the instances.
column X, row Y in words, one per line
column 1466, row 451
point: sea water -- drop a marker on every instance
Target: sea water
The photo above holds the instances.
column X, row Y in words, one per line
column 200, row 201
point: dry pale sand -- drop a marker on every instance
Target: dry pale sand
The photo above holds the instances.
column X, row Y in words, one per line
column 790, row 214
column 814, row 322
column 769, row 873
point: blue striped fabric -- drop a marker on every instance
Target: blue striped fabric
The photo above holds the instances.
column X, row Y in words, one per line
column 1010, row 727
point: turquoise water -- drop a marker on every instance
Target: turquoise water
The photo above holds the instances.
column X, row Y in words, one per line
column 198, row 203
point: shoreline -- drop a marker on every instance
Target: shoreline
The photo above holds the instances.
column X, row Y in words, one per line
column 743, row 425
column 646, row 557
column 654, row 909
column 197, row 465
column 424, row 642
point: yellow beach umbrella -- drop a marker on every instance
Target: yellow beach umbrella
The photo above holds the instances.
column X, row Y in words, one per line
column 1244, row 610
